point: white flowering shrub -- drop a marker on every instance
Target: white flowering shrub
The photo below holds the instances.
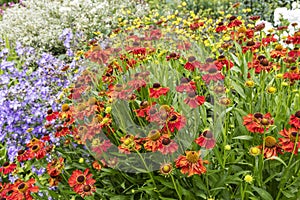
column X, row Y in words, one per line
column 40, row 23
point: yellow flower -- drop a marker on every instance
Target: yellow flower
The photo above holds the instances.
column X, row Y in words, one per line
column 183, row 4
column 249, row 83
column 227, row 147
column 254, row 151
column 248, row 179
column 108, row 110
column 81, row 160
column 271, row 90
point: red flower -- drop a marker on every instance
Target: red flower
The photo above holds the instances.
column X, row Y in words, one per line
column 62, row 131
column 51, row 115
column 223, row 61
column 173, row 56
column 194, row 100
column 288, row 142
column 260, row 64
column 85, row 190
column 79, row 178
column 206, row 140
column 157, row 91
column 129, row 143
column 213, row 75
column 153, row 141
column 167, row 146
column 191, row 163
column 8, row 168
column 99, row 145
column 258, row 122
column 221, row 27
column 271, row 147
column 22, row 190
column 234, row 23
column 295, row 120
column 196, row 25
column 174, row 121
column 186, row 85
column 23, row 155
column 37, row 149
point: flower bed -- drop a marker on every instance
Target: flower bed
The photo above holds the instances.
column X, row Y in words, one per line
column 171, row 107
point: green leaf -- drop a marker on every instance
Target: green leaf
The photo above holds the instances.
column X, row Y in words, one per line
column 243, row 137
column 288, row 194
column 239, row 89
column 278, row 159
column 263, row 193
column 236, row 60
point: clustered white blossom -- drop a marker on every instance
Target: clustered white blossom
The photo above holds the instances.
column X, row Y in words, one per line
column 40, row 23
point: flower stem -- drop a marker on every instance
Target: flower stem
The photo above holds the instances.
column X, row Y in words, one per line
column 175, row 186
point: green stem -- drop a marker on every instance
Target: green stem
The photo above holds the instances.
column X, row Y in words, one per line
column 175, row 186
column 148, row 172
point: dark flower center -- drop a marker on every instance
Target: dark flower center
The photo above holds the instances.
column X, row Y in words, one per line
column 152, row 111
column 20, row 152
column 49, row 112
column 144, row 104
column 6, row 164
column 250, row 43
column 166, row 141
column 212, row 70
column 232, row 18
column 191, row 94
column 154, row 135
column 173, row 118
column 264, row 62
column 80, row 179
column 209, row 60
column 87, row 188
column 184, row 80
column 221, row 57
column 67, row 120
column 297, row 114
column 35, row 148
column 294, row 134
column 191, row 58
column 156, row 85
column 21, row 186
column 208, row 134
column 293, row 68
column 220, row 24
column 260, row 57
column 59, row 128
column 258, row 115
column 173, row 55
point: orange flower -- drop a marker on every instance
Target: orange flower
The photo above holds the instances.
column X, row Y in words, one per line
column 258, row 122
column 288, row 142
column 8, row 168
column 96, row 165
column 271, row 147
column 22, row 190
column 157, row 91
column 206, row 140
column 79, row 178
column 191, row 163
column 295, row 120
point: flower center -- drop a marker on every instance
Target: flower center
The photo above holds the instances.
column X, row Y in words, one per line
column 184, row 80
column 95, row 142
column 118, row 88
column 297, row 114
column 49, row 112
column 21, row 152
column 208, row 134
column 192, row 156
column 264, row 62
column 293, row 136
column 173, row 118
column 212, row 70
column 191, row 58
column 166, row 169
column 166, row 141
column 35, row 148
column 6, row 164
column 270, row 141
column 80, row 179
column 191, row 94
column 22, row 187
column 250, row 43
column 65, row 107
column 258, row 115
column 154, row 135
column 264, row 121
column 144, row 104
column 87, row 188
column 156, row 85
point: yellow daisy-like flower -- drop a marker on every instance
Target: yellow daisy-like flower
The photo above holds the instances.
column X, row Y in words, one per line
column 248, row 179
